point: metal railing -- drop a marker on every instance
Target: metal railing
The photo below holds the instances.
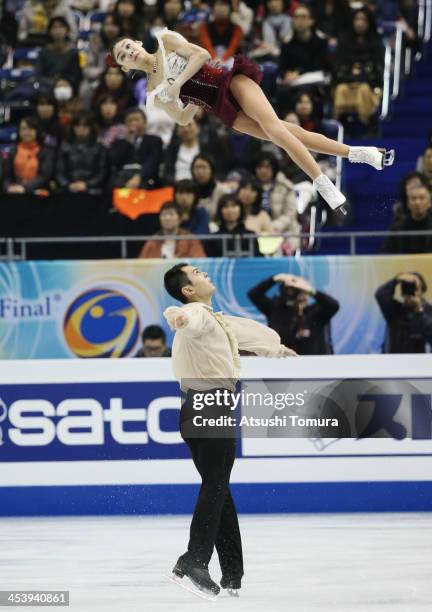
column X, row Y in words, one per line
column 237, row 239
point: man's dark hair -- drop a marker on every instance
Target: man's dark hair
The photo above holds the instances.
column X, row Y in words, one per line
column 266, row 157
column 174, row 280
column 135, row 110
column 170, row 205
column 153, row 332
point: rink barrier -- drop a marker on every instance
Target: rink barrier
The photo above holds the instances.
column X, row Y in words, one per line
column 71, row 468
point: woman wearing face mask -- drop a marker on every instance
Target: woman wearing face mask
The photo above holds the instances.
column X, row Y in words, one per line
column 68, row 103
column 179, row 74
column 115, row 84
column 82, row 164
column 29, row 166
column 58, row 56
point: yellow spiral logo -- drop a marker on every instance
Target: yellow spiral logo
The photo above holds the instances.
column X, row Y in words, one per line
column 101, row 323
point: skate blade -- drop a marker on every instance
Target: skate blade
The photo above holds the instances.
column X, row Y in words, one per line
column 188, row 587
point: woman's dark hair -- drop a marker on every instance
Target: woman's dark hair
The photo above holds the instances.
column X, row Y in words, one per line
column 209, row 159
column 372, row 30
column 84, row 118
column 403, row 193
column 32, row 123
column 62, row 21
column 223, row 201
column 255, row 186
column 106, row 98
column 171, row 206
column 267, row 157
column 174, row 281
column 187, row 186
column 45, row 98
column 116, row 19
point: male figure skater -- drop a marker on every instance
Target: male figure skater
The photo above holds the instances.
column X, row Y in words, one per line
column 205, row 354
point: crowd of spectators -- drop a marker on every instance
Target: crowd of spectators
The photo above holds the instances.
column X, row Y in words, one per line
column 82, row 127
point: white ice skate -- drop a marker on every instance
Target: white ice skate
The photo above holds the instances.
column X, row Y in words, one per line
column 378, row 158
column 330, row 193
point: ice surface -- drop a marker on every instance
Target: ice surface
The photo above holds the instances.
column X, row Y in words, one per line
column 298, row 563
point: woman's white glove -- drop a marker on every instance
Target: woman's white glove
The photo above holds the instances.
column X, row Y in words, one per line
column 176, row 317
column 284, row 351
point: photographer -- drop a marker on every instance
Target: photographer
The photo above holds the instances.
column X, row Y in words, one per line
column 408, row 315
column 302, row 325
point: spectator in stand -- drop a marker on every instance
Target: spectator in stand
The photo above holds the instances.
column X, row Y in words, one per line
column 359, row 66
column 69, row 104
column 29, row 166
column 209, row 189
column 114, row 83
column 109, row 121
column 413, row 179
column 419, row 218
column 137, row 160
column 408, row 315
column 58, row 56
column 170, row 219
column 35, row 17
column 424, row 165
column 304, row 54
column 154, row 343
column 129, row 13
column 82, row 164
column 306, row 326
column 172, row 11
column 99, row 45
column 185, row 145
column 194, row 218
column 279, row 198
column 277, row 25
column 230, row 216
column 219, row 36
column 46, row 114
column 256, row 219
column 307, row 113
column 332, row 18
column 242, row 15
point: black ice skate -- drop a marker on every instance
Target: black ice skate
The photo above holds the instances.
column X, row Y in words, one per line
column 197, row 581
column 232, row 586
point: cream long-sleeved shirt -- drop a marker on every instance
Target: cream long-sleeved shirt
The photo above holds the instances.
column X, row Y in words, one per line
column 205, row 352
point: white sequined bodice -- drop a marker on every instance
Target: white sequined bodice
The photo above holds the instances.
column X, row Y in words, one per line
column 175, row 64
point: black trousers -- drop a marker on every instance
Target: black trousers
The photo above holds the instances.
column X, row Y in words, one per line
column 214, row 522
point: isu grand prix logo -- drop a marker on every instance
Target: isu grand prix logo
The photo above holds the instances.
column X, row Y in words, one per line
column 101, row 323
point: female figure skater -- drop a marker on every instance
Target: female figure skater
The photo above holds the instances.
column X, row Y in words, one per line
column 181, row 78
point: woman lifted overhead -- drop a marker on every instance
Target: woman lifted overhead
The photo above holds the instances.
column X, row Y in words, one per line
column 181, row 78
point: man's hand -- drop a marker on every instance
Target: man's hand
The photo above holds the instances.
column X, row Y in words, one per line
column 77, row 186
column 15, row 189
column 407, row 277
column 134, row 182
column 284, row 351
column 290, row 76
column 176, row 317
column 172, row 92
column 290, row 280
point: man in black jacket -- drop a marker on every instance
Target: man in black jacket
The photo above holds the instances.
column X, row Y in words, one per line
column 408, row 315
column 136, row 162
column 303, row 326
column 419, row 218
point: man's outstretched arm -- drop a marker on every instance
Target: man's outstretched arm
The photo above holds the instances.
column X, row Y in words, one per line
column 190, row 320
column 258, row 338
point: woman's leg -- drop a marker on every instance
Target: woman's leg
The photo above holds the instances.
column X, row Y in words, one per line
column 311, row 140
column 255, row 104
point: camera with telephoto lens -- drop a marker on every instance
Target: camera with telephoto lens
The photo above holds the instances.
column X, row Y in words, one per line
column 408, row 288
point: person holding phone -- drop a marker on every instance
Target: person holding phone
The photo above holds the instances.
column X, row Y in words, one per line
column 408, row 315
